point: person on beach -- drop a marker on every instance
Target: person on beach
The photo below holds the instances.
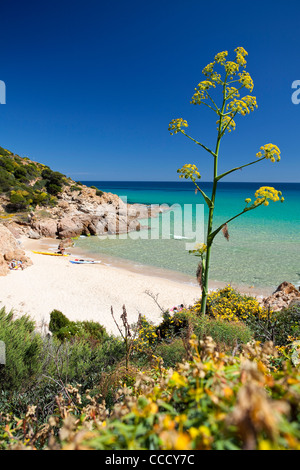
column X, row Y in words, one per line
column 14, row 264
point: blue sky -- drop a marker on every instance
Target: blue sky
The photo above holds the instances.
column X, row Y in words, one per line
column 92, row 86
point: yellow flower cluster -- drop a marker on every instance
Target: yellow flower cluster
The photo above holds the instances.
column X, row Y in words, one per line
column 199, row 250
column 147, row 336
column 246, row 80
column 243, row 106
column 220, row 58
column 208, row 70
column 176, row 124
column 227, row 304
column 240, row 56
column 269, row 151
column 189, row 171
column 232, row 92
column 231, row 67
column 200, row 247
column 266, row 192
column 227, row 123
column 201, row 90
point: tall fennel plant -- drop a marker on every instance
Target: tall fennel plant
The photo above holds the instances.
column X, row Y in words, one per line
column 232, row 82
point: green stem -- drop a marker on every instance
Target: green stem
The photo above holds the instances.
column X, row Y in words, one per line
column 198, row 143
column 239, row 168
column 247, row 209
column 212, row 206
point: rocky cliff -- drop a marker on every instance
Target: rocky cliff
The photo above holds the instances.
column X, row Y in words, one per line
column 46, row 203
column 81, row 212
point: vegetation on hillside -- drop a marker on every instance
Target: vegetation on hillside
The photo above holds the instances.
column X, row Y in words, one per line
column 192, row 382
column 27, row 184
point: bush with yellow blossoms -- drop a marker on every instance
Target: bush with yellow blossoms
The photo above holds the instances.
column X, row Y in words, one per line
column 232, row 79
column 213, row 401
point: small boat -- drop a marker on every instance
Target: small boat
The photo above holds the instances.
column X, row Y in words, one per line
column 84, row 261
column 49, row 253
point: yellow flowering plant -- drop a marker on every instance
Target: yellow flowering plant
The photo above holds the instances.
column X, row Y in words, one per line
column 233, row 81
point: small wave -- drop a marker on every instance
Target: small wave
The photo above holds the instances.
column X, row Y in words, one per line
column 179, row 237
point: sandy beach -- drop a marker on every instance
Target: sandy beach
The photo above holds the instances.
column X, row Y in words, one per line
column 87, row 292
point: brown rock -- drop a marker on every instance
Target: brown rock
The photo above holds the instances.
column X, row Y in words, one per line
column 69, row 227
column 284, row 296
column 3, row 266
column 10, row 250
column 288, row 288
column 46, row 227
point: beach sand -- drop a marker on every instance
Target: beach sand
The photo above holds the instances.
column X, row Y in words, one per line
column 87, row 292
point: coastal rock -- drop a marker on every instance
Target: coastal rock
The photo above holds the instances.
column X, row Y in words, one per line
column 284, row 296
column 69, row 227
column 33, row 234
column 8, row 242
column 84, row 212
column 10, row 250
column 45, row 227
column 4, row 270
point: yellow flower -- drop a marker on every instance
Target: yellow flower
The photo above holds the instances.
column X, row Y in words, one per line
column 231, row 67
column 178, row 379
column 221, row 57
column 182, row 442
column 189, row 171
column 264, row 193
column 246, row 80
column 201, row 91
column 176, row 124
column 243, row 106
column 227, row 124
column 240, row 56
column 269, row 151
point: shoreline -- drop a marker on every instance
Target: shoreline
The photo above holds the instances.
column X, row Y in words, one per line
column 49, row 244
column 87, row 292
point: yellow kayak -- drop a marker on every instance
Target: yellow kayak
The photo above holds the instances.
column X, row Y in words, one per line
column 47, row 253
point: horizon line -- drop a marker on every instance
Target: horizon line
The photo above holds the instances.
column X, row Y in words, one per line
column 182, row 182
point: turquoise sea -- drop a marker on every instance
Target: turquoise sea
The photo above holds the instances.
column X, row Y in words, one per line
column 264, row 245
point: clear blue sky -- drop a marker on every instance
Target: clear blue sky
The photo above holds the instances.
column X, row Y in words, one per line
column 92, row 86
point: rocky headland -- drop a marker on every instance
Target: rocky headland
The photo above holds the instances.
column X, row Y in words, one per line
column 81, row 212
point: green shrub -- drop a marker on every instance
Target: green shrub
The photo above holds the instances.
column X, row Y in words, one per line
column 281, row 327
column 224, row 333
column 64, row 329
column 57, row 321
column 173, row 324
column 23, row 350
column 171, row 352
column 75, row 188
column 98, row 191
column 287, row 325
column 93, row 330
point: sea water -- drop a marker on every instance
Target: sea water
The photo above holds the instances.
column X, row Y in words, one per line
column 263, row 246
